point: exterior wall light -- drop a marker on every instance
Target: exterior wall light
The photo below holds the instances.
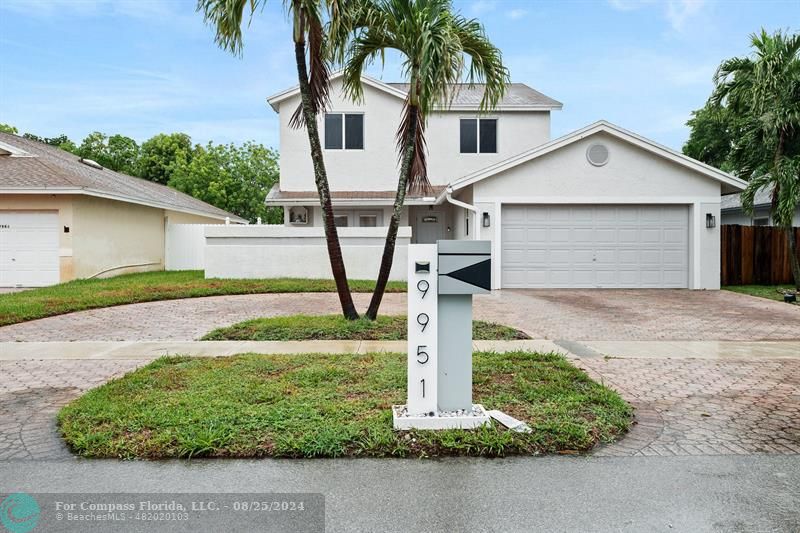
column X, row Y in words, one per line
column 711, row 221
column 486, row 220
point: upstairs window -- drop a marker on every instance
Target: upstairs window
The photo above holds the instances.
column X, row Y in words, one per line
column 344, row 131
column 478, row 136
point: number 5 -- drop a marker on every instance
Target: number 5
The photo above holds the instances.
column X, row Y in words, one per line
column 421, row 353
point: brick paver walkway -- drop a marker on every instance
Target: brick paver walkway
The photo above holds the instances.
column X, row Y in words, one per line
column 544, row 314
column 32, row 392
column 705, row 407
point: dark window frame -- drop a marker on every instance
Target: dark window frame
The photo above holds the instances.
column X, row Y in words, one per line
column 478, row 143
column 343, row 134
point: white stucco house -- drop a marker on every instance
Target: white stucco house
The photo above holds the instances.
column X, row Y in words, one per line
column 600, row 207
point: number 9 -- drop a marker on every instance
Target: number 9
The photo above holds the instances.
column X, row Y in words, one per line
column 422, row 320
column 423, row 286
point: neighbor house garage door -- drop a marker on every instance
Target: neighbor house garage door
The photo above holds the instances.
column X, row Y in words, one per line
column 28, row 248
column 595, row 246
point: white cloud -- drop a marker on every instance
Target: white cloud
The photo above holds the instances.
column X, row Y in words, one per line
column 516, row 14
column 680, row 11
column 676, row 12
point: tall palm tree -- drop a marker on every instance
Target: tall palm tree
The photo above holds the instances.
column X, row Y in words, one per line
column 764, row 90
column 310, row 48
column 435, row 43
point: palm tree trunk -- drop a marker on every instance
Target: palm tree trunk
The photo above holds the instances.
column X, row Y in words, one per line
column 321, row 181
column 791, row 236
column 394, row 223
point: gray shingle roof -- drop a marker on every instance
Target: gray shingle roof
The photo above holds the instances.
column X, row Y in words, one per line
column 734, row 201
column 517, row 94
column 52, row 168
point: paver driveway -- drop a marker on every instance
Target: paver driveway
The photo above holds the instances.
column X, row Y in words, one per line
column 545, row 314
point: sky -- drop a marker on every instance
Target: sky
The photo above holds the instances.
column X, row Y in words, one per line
column 141, row 67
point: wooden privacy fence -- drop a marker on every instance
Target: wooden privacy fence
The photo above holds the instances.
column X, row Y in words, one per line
column 755, row 255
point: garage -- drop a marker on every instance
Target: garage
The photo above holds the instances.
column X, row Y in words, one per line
column 28, row 248
column 595, row 246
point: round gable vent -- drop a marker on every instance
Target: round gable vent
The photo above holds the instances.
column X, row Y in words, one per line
column 597, row 154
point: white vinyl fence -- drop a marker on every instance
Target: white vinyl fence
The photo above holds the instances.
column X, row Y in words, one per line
column 288, row 252
column 185, row 246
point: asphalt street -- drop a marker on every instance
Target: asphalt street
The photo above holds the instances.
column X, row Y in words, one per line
column 697, row 494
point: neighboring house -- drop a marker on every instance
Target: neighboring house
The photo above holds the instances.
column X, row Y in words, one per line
column 599, row 207
column 63, row 218
column 732, row 212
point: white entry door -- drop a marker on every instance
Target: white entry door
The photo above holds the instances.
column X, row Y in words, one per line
column 28, row 248
column 602, row 246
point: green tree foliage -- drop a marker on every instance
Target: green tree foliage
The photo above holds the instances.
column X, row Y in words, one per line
column 160, row 155
column 713, row 131
column 117, row 152
column 8, row 128
column 763, row 92
column 61, row 141
column 234, row 178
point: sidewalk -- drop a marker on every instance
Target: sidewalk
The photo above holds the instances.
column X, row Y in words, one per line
column 722, row 350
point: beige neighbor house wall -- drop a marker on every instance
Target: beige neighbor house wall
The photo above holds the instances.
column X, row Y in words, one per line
column 49, row 202
column 175, row 217
column 112, row 238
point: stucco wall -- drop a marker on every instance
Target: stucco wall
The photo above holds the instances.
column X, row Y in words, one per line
column 279, row 252
column 175, row 217
column 49, row 202
column 631, row 176
column 631, row 173
column 117, row 237
column 375, row 167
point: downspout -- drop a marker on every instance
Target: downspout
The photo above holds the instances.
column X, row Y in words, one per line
column 468, row 207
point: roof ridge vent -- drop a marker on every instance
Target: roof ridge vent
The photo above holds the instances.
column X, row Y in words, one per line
column 91, row 163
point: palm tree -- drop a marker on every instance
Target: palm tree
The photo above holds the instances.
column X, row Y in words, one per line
column 434, row 42
column 764, row 90
column 226, row 16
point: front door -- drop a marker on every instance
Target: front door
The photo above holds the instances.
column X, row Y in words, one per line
column 430, row 227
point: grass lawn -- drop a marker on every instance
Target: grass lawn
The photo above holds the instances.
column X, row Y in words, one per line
column 762, row 291
column 336, row 327
column 150, row 286
column 330, row 406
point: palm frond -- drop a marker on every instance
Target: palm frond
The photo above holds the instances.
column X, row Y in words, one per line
column 226, row 17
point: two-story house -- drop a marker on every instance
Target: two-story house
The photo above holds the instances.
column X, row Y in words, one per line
column 599, row 207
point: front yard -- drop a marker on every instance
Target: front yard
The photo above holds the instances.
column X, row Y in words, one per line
column 762, row 291
column 336, row 327
column 330, row 406
column 151, row 286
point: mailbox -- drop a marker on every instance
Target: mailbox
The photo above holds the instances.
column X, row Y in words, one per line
column 465, row 267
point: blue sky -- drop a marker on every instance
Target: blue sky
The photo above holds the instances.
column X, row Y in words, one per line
column 140, row 67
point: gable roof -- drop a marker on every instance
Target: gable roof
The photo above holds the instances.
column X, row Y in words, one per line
column 33, row 167
column 518, row 96
column 733, row 183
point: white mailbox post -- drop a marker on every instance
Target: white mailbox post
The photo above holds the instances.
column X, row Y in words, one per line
column 442, row 278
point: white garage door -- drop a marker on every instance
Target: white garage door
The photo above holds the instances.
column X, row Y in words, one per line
column 595, row 246
column 28, row 248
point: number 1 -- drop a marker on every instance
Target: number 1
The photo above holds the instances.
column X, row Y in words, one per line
column 423, row 387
